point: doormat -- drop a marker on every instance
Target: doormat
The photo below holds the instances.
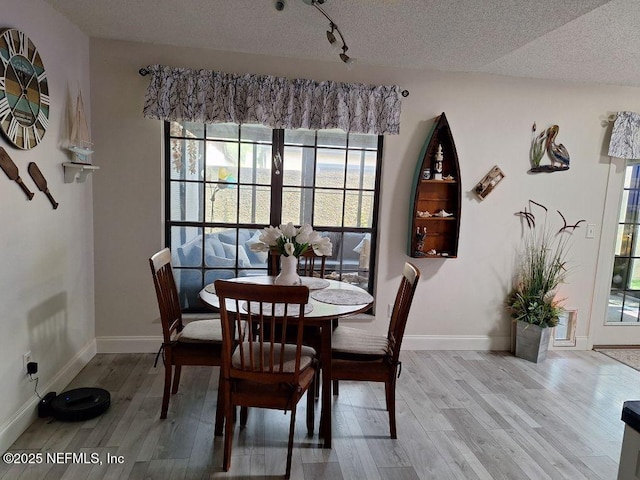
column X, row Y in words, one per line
column 628, row 356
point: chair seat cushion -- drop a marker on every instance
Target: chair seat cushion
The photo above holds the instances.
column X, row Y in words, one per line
column 348, row 340
column 201, row 331
column 307, row 355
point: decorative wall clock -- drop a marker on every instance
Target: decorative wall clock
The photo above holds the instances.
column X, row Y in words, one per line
column 24, row 92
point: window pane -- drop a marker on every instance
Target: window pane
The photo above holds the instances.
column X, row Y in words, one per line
column 300, row 137
column 634, row 278
column 614, row 310
column 625, row 202
column 186, row 247
column 359, row 140
column 361, row 169
column 222, row 161
column 328, row 207
column 298, row 166
column 623, row 240
column 255, row 133
column 254, row 204
column 222, row 131
column 189, row 284
column 630, row 310
column 332, row 138
column 297, row 205
column 620, row 267
column 186, row 159
column 631, row 198
column 358, row 209
column 255, row 163
column 632, row 178
column 221, row 203
column 330, row 168
column 186, row 201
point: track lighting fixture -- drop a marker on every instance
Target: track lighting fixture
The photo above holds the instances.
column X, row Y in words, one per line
column 331, row 37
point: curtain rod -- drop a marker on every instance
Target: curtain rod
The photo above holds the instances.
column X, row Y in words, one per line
column 144, row 72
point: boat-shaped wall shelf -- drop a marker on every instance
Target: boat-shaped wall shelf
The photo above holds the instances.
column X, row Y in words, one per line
column 79, row 171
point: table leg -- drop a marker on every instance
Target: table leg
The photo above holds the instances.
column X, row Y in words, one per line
column 325, row 415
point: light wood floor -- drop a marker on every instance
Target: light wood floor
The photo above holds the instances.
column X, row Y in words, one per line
column 461, row 415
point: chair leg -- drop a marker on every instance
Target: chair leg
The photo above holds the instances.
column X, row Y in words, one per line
column 311, row 396
column 220, row 408
column 176, row 379
column 167, row 389
column 229, row 424
column 390, row 394
column 292, row 428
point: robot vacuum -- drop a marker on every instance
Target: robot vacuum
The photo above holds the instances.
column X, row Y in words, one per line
column 80, row 404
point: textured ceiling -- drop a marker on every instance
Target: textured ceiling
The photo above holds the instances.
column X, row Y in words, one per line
column 594, row 41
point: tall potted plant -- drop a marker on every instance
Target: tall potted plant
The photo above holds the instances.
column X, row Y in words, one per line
column 542, row 266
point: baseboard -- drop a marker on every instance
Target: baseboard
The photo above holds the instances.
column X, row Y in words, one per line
column 128, row 344
column 10, row 432
column 455, row 342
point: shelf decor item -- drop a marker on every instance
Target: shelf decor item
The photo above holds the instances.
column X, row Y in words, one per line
column 80, row 144
column 291, row 242
column 436, row 201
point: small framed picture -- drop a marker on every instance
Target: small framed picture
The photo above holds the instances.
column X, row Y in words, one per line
column 489, row 182
column 426, row 174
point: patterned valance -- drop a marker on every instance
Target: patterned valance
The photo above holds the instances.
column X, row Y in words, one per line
column 183, row 94
column 625, row 137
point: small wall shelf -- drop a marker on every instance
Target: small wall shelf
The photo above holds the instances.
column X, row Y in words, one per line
column 77, row 170
column 431, row 234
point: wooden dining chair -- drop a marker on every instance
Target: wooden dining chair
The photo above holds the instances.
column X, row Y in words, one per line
column 264, row 370
column 309, row 264
column 359, row 355
column 198, row 342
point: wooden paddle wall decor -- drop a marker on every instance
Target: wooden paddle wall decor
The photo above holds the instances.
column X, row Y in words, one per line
column 41, row 182
column 10, row 168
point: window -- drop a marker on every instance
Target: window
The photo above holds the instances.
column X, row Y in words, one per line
column 624, row 298
column 225, row 182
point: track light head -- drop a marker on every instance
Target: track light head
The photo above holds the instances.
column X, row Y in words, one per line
column 330, row 36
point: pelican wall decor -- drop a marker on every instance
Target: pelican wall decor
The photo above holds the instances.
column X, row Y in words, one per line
column 545, row 142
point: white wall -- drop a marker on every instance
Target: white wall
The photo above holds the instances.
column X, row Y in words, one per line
column 459, row 301
column 46, row 255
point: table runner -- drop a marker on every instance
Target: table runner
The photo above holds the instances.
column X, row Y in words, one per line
column 313, row 283
column 338, row 296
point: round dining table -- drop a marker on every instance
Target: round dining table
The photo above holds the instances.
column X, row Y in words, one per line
column 328, row 300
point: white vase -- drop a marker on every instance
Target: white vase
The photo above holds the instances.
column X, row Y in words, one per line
column 288, row 271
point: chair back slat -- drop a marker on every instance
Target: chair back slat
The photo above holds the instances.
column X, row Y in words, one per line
column 401, row 307
column 262, row 352
column 167, row 294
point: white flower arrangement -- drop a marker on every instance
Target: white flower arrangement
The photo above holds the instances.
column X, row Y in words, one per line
column 289, row 240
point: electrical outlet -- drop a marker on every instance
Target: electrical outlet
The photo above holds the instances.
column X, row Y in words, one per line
column 26, row 358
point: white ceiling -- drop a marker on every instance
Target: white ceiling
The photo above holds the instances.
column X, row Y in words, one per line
column 595, row 41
